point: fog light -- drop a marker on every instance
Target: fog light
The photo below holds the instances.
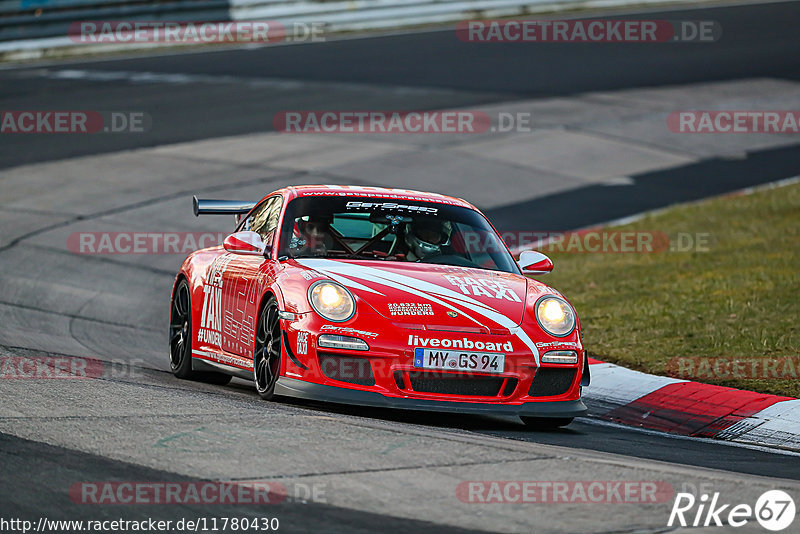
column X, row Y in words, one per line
column 560, row 356
column 332, row 341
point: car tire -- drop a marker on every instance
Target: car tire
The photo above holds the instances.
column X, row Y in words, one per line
column 268, row 350
column 544, row 423
column 180, row 339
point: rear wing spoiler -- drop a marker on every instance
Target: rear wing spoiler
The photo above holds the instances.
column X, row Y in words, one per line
column 204, row 206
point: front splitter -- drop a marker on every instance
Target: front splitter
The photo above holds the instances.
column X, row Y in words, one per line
column 291, row 387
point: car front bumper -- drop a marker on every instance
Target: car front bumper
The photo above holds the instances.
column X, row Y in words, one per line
column 291, row 387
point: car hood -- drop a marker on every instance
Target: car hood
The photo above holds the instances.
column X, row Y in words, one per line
column 440, row 297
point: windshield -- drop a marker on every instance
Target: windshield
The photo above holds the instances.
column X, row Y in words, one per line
column 391, row 230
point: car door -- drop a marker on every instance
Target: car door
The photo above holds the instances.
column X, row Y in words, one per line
column 244, row 281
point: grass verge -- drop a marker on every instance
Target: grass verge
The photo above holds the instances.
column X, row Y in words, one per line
column 738, row 301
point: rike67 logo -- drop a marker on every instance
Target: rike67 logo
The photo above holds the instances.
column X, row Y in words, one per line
column 774, row 510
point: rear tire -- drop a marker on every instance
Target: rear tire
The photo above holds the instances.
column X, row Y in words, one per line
column 180, row 339
column 545, row 423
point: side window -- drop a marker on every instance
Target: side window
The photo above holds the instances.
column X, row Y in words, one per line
column 264, row 219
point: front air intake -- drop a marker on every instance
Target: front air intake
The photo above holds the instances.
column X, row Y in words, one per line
column 551, row 381
column 347, row 369
column 454, row 385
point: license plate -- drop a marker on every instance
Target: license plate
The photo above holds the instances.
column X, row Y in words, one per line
column 456, row 360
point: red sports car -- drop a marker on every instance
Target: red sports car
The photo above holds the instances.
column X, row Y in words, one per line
column 377, row 297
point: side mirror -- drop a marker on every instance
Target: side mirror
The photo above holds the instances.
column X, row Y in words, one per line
column 245, row 243
column 532, row 262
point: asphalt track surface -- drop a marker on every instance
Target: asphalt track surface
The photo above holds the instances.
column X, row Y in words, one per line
column 438, row 72
column 37, row 475
column 435, row 68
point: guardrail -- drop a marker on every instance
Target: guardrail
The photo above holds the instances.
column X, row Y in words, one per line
column 376, row 14
column 25, row 20
column 33, row 19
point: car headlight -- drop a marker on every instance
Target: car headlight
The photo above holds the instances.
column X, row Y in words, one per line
column 331, row 301
column 555, row 316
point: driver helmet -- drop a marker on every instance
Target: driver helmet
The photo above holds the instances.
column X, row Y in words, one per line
column 314, row 229
column 425, row 237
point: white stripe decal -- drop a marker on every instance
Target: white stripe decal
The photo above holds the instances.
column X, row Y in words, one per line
column 424, row 290
column 223, row 359
column 350, row 283
column 414, row 291
column 204, row 353
column 375, row 277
